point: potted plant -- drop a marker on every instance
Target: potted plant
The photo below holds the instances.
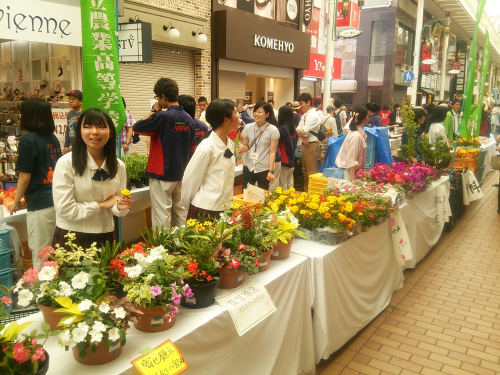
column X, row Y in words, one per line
column 437, row 155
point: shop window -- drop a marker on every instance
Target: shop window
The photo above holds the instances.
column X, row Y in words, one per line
column 375, row 94
column 379, row 36
column 404, row 52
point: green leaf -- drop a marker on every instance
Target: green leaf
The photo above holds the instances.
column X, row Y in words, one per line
column 65, row 302
column 55, row 333
column 41, row 336
column 93, row 347
column 97, row 291
column 45, row 327
column 82, row 354
column 33, row 333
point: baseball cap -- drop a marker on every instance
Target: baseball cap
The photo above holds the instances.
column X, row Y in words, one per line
column 295, row 105
column 76, row 93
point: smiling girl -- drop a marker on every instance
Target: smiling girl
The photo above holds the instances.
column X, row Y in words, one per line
column 87, row 183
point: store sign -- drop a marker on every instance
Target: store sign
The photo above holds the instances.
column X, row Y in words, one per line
column 350, row 33
column 292, row 11
column 352, row 19
column 40, row 21
column 135, row 42
column 60, row 116
column 272, row 43
column 307, row 12
column 313, row 30
column 317, row 67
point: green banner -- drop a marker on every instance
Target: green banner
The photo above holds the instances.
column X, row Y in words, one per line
column 475, row 120
column 101, row 74
column 465, row 126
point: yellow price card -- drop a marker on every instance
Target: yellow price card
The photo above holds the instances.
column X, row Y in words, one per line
column 165, row 359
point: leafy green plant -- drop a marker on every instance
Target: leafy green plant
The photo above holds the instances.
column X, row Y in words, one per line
column 408, row 152
column 437, row 154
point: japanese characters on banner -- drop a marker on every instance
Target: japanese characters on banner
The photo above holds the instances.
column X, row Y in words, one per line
column 472, row 190
column 475, row 119
column 248, row 305
column 400, row 240
column 352, row 19
column 100, row 59
column 313, row 29
column 60, row 116
column 443, row 209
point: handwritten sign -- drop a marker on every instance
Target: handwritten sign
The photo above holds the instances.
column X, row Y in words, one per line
column 165, row 359
column 400, row 239
column 443, row 210
column 60, row 116
column 248, row 305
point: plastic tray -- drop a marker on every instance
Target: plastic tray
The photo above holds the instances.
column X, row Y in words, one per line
column 5, row 261
column 4, row 239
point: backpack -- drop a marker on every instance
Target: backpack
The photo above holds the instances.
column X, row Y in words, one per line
column 321, row 134
column 336, row 116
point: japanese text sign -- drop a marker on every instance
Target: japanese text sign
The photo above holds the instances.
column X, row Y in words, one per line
column 100, row 59
column 313, row 29
column 165, row 359
column 352, row 19
column 400, row 239
column 317, row 66
column 248, row 305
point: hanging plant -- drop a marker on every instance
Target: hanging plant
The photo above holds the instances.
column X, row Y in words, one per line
column 409, row 151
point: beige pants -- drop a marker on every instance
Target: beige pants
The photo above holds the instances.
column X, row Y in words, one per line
column 166, row 203
column 286, row 178
column 41, row 226
column 277, row 174
column 309, row 161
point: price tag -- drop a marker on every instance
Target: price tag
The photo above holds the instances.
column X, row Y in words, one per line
column 165, row 359
column 248, row 305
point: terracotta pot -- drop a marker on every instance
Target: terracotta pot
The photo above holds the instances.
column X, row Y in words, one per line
column 102, row 355
column 365, row 228
column 153, row 320
column 43, row 367
column 265, row 260
column 229, row 279
column 379, row 220
column 50, row 317
column 281, row 250
column 204, row 295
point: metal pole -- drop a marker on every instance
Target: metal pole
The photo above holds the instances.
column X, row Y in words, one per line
column 119, row 135
column 330, row 37
column 444, row 58
column 412, row 90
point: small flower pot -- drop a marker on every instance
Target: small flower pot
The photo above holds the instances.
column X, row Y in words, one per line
column 129, row 185
column 281, row 250
column 356, row 229
column 153, row 320
column 118, row 292
column 230, row 279
column 365, row 228
column 146, row 181
column 204, row 295
column 138, row 184
column 50, row 317
column 265, row 260
column 102, row 355
column 379, row 220
column 43, row 367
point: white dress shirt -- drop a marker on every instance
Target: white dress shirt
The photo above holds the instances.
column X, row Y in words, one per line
column 310, row 121
column 437, row 129
column 76, row 198
column 209, row 176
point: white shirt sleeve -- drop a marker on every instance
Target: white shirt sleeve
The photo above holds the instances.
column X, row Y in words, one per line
column 122, row 176
column 193, row 175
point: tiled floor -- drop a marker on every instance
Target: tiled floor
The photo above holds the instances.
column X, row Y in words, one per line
column 446, row 319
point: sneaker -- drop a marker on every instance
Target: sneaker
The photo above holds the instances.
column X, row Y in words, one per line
column 496, row 185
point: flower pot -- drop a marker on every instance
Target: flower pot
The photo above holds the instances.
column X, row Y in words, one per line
column 118, row 292
column 102, row 355
column 365, row 228
column 129, row 185
column 204, row 295
column 379, row 220
column 356, row 229
column 230, row 279
column 281, row 250
column 153, row 320
column 146, row 181
column 50, row 317
column 138, row 184
column 265, row 260
column 410, row 194
column 43, row 367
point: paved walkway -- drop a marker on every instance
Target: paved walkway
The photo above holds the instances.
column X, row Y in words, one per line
column 446, row 319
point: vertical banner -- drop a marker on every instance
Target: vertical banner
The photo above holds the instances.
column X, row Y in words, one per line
column 400, row 240
column 100, row 59
column 475, row 120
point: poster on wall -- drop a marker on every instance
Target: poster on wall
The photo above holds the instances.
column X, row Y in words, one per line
column 287, row 11
column 263, row 8
column 313, row 29
column 248, row 97
column 270, row 96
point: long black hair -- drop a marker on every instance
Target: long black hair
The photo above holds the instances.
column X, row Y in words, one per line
column 36, row 116
column 362, row 113
column 285, row 118
column 94, row 116
column 267, row 109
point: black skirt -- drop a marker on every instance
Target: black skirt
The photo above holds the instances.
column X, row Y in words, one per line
column 82, row 239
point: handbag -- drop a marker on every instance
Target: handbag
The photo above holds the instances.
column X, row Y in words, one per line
column 495, row 162
column 135, row 138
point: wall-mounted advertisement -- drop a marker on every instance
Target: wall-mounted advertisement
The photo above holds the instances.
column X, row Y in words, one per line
column 263, row 8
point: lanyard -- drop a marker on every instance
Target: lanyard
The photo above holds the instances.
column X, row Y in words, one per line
column 257, row 140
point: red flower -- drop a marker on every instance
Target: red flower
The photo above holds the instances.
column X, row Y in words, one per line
column 241, row 247
column 257, row 263
column 193, row 268
column 246, row 219
column 38, row 355
column 235, row 263
column 6, row 300
column 253, row 253
column 209, row 277
column 401, row 241
column 20, row 353
column 203, row 273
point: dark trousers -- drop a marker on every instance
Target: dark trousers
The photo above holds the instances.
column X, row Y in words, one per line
column 253, row 178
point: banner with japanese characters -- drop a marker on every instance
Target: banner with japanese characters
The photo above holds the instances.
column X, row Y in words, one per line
column 483, row 76
column 100, row 59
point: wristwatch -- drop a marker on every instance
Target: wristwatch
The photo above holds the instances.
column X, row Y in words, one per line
column 127, row 143
column 270, row 171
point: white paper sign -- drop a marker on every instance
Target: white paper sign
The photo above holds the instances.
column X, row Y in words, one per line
column 443, row 209
column 400, row 241
column 471, row 188
column 248, row 305
column 60, row 116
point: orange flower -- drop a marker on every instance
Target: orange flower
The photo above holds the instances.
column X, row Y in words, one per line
column 349, row 226
column 327, row 216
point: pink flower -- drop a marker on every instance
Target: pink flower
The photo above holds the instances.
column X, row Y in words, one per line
column 173, row 310
column 241, row 247
column 176, row 298
column 34, row 342
column 20, row 353
column 188, row 293
column 155, row 290
column 226, row 252
column 38, row 355
column 392, row 222
column 31, row 276
column 235, row 263
column 45, row 253
column 6, row 300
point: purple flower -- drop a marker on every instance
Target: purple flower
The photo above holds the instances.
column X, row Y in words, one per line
column 176, row 298
column 187, row 291
column 174, row 287
column 173, row 310
column 155, row 290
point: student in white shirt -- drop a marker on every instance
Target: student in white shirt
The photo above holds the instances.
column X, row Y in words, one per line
column 209, row 176
column 87, row 183
column 437, row 128
column 271, row 103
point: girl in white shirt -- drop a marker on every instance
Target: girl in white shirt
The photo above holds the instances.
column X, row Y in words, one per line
column 437, row 128
column 209, row 176
column 87, row 183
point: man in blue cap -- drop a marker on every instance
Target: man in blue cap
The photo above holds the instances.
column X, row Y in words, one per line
column 75, row 103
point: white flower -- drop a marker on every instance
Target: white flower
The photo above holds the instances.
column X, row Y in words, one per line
column 80, row 281
column 84, row 305
column 160, row 248
column 66, row 340
column 98, row 326
column 25, row 297
column 47, row 273
column 114, row 334
column 104, row 307
column 139, row 257
column 69, row 320
column 119, row 312
column 66, row 289
column 95, row 336
column 133, row 271
column 19, row 285
column 150, row 277
column 79, row 334
column 84, row 326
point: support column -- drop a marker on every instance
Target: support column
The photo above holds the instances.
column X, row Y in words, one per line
column 412, row 90
column 444, row 58
column 330, row 35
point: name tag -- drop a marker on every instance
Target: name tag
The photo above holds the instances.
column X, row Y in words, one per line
column 254, row 156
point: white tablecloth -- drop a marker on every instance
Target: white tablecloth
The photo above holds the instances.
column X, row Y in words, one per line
column 491, row 148
column 353, row 282
column 419, row 215
column 207, row 338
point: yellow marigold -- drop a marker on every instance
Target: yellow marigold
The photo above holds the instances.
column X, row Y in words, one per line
column 294, row 209
column 360, row 214
column 300, row 200
column 235, row 205
column 331, row 199
column 125, row 192
column 279, row 190
column 304, row 194
column 182, row 235
column 341, row 217
column 191, row 222
column 349, row 226
column 292, row 201
column 282, row 198
column 313, row 206
column 207, row 223
column 302, row 212
column 275, row 207
column 315, row 198
column 348, row 207
column 323, row 209
column 327, row 216
column 199, row 227
column 290, row 191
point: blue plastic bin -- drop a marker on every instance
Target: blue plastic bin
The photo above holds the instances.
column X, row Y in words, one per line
column 4, row 239
column 5, row 261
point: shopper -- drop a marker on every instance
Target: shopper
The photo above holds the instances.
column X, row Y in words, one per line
column 451, row 121
column 271, row 103
column 437, row 128
column 208, row 180
column 172, row 135
column 126, row 132
column 485, row 121
column 429, row 108
column 88, row 182
column 310, row 147
column 419, row 118
column 188, row 103
column 202, row 106
column 39, row 151
column 317, row 107
column 394, row 117
column 373, row 110
column 296, row 114
column 384, row 115
column 75, row 98
column 340, row 116
column 287, row 144
column 260, row 139
column 329, row 121
column 352, row 154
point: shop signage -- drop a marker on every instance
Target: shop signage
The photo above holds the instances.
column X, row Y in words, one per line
column 313, row 30
column 408, row 76
column 60, row 116
column 352, row 19
column 272, row 43
column 350, row 33
column 135, row 42
column 164, row 359
column 40, row 21
column 307, row 12
column 317, row 66
column 292, row 11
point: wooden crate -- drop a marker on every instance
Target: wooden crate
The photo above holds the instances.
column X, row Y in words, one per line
column 465, row 163
column 239, row 199
column 317, row 183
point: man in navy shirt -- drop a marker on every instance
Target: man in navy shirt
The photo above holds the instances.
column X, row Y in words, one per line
column 189, row 104
column 172, row 135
